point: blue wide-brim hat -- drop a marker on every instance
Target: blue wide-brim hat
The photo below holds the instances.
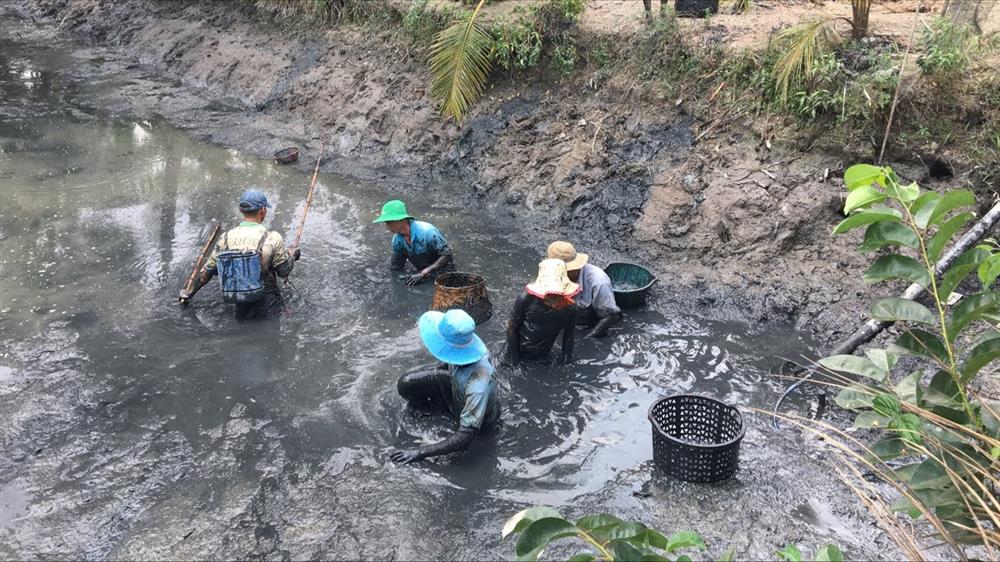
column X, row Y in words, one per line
column 451, row 337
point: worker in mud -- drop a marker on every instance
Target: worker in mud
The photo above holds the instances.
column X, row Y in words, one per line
column 463, row 385
column 540, row 313
column 248, row 260
column 418, row 242
column 595, row 304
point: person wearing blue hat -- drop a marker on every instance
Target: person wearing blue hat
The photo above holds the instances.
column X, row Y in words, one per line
column 248, row 260
column 418, row 242
column 463, row 386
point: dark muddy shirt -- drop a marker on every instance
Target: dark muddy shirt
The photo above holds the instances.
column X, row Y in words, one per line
column 425, row 247
column 537, row 326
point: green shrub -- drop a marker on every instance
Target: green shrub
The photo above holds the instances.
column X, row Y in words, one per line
column 945, row 50
column 517, row 44
column 564, row 57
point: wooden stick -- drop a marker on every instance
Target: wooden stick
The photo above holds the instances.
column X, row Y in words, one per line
column 309, row 198
column 201, row 256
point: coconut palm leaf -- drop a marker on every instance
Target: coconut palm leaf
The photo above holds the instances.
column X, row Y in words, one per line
column 460, row 62
column 802, row 44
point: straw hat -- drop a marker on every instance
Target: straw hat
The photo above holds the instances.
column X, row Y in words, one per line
column 451, row 337
column 552, row 280
column 566, row 252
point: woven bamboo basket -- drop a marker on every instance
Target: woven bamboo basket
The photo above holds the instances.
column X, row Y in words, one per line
column 466, row 291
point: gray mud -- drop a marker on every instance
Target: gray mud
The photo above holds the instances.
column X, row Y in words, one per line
column 132, row 428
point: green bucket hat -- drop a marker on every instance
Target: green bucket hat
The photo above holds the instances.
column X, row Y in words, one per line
column 394, row 210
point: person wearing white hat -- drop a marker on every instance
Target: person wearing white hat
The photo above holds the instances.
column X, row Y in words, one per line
column 464, row 385
column 540, row 313
column 595, row 304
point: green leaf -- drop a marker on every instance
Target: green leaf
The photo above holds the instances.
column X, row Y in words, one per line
column 969, row 310
column 684, row 558
column 895, row 266
column 790, row 553
column 887, row 405
column 951, row 201
column 990, row 411
column 903, row 503
column 989, row 270
column 656, row 558
column 863, row 175
column 922, row 344
column 888, row 448
column 581, row 557
column 600, row 521
column 882, row 359
column 930, row 475
column 525, row 517
column 862, row 197
column 908, row 427
column 829, row 553
column 684, row 539
column 537, row 535
column 853, row 398
column 728, row 556
column 625, row 552
column 942, row 391
column 868, row 216
column 906, row 193
column 887, row 233
column 923, row 208
column 980, row 356
column 902, row 310
column 963, row 266
column 626, row 530
column 871, row 420
column 908, row 388
column 854, row 365
column 944, row 234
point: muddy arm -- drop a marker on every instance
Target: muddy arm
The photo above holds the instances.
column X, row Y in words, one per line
column 458, row 441
column 200, row 281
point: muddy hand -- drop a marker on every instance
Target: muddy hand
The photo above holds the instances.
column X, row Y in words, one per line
column 296, row 254
column 405, row 456
column 415, row 279
column 184, row 297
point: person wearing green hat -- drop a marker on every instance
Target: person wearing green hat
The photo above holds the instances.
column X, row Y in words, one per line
column 462, row 386
column 418, row 242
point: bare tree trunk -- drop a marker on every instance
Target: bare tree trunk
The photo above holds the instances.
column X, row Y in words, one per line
column 964, row 12
column 859, row 18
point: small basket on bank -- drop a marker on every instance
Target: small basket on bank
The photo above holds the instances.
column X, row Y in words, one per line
column 287, row 155
column 466, row 291
column 696, row 438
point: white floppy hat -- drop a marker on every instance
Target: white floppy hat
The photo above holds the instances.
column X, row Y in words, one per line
column 552, row 280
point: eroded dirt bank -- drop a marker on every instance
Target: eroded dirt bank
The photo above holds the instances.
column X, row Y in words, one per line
column 745, row 224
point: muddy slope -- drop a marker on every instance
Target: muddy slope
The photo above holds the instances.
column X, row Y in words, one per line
column 745, row 224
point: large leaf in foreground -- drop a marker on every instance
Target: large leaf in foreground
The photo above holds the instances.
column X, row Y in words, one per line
column 460, row 62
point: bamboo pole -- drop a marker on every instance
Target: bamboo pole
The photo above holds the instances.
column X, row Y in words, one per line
column 309, row 197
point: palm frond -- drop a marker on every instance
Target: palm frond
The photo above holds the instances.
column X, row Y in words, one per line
column 460, row 62
column 802, row 45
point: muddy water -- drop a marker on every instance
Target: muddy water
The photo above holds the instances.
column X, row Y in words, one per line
column 134, row 428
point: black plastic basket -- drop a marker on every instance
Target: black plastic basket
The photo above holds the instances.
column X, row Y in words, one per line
column 696, row 8
column 696, row 438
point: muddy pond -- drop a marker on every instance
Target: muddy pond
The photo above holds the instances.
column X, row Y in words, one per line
column 133, row 428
